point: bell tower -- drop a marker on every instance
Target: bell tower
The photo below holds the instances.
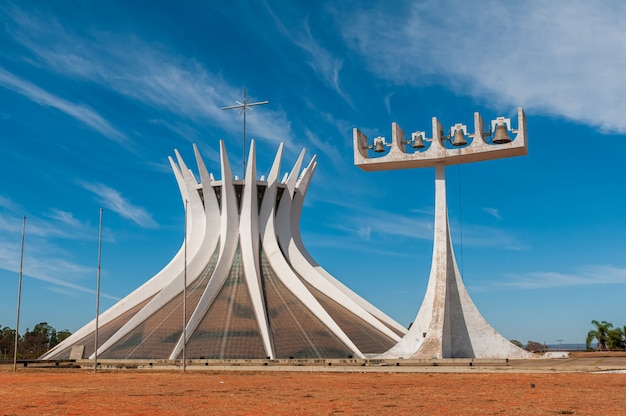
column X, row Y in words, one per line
column 448, row 324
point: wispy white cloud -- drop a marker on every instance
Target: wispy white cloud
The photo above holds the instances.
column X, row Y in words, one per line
column 58, row 272
column 45, row 259
column 66, row 218
column 347, row 242
column 55, row 227
column 143, row 72
column 425, row 211
column 484, row 236
column 81, row 113
column 327, row 147
column 588, row 275
column 493, row 212
column 559, row 57
column 344, row 128
column 41, row 268
column 113, row 200
column 388, row 102
column 365, row 232
column 321, row 60
column 384, row 223
column 10, row 224
column 9, row 204
column 418, row 224
column 327, row 66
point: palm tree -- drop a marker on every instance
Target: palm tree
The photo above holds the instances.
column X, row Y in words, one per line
column 601, row 333
column 616, row 339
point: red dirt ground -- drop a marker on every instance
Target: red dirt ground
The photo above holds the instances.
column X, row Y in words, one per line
column 134, row 392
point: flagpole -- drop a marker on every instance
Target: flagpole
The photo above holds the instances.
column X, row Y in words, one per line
column 95, row 360
column 185, row 295
column 19, row 297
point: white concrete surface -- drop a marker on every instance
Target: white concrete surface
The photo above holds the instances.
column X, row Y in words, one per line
column 448, row 324
column 222, row 226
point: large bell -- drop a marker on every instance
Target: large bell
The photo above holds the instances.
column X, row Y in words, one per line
column 459, row 138
column 418, row 141
column 379, row 147
column 501, row 136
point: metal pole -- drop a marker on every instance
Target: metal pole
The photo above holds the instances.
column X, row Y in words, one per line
column 185, row 294
column 245, row 101
column 95, row 360
column 243, row 107
column 19, row 297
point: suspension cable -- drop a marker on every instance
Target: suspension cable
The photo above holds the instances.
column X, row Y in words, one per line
column 460, row 219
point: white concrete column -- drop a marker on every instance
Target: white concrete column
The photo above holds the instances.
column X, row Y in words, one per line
column 448, row 324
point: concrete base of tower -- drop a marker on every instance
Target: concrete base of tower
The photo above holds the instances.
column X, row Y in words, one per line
column 448, row 324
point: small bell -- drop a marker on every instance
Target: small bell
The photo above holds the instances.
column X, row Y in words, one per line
column 501, row 136
column 459, row 138
column 418, row 141
column 379, row 145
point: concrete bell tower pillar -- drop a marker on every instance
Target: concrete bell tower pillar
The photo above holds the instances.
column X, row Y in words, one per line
column 448, row 324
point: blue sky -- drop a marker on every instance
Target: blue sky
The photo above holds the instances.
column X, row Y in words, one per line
column 94, row 96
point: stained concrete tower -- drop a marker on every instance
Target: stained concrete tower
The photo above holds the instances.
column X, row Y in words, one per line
column 448, row 324
column 252, row 290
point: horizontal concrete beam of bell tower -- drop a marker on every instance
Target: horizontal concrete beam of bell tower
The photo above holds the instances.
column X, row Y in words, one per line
column 478, row 150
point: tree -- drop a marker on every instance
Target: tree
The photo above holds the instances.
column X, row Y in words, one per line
column 33, row 344
column 616, row 339
column 517, row 343
column 533, row 346
column 61, row 335
column 37, row 341
column 7, row 342
column 601, row 334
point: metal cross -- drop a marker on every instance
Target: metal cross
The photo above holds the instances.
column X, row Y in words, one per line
column 243, row 106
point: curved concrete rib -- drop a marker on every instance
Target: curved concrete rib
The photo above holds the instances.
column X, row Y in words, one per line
column 302, row 187
column 212, row 233
column 211, row 208
column 249, row 240
column 154, row 285
column 280, row 265
column 200, row 239
column 216, row 225
column 196, row 226
column 303, row 262
column 285, row 212
column 229, row 238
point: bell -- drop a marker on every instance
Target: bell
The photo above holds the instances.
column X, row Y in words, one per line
column 418, row 141
column 501, row 137
column 459, row 138
column 379, row 147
